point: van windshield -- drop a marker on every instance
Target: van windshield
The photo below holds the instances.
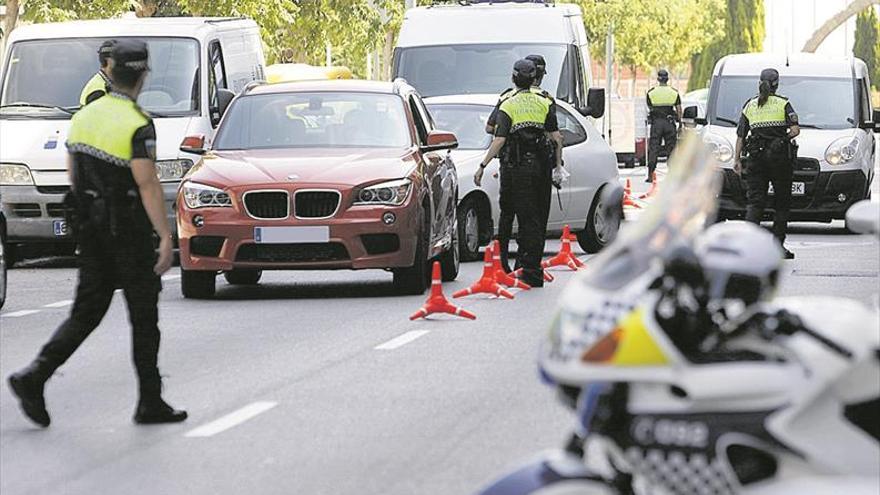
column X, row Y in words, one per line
column 52, row 73
column 820, row 102
column 475, row 69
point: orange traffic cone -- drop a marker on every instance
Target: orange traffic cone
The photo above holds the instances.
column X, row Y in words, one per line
column 565, row 257
column 627, row 195
column 547, row 276
column 651, row 190
column 437, row 302
column 487, row 283
column 501, row 276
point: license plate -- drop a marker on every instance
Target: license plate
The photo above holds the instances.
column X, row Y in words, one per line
column 60, row 228
column 797, row 189
column 291, row 235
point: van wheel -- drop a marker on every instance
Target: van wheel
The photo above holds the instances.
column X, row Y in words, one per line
column 601, row 228
column 414, row 279
column 469, row 228
column 450, row 260
column 243, row 277
column 198, row 284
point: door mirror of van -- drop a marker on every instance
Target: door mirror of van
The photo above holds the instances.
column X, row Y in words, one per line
column 595, row 103
column 440, row 140
column 690, row 112
column 864, row 217
column 194, row 144
column 701, row 120
column 224, row 98
column 876, row 119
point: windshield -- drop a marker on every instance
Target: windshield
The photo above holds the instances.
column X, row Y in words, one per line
column 821, row 102
column 314, row 120
column 467, row 122
column 54, row 72
column 474, row 69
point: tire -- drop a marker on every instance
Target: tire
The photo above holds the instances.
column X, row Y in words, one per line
column 450, row 260
column 468, row 217
column 243, row 277
column 414, row 279
column 599, row 231
column 197, row 284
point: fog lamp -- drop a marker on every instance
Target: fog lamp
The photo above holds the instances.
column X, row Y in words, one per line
column 199, row 221
column 388, row 218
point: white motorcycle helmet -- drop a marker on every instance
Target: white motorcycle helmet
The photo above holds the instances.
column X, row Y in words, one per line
column 740, row 260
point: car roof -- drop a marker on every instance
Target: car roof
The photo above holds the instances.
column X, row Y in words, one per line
column 343, row 85
column 470, row 99
column 160, row 26
column 796, row 64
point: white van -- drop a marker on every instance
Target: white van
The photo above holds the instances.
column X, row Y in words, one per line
column 835, row 164
column 197, row 65
column 470, row 48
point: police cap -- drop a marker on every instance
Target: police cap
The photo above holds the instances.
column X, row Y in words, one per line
column 105, row 51
column 131, row 55
column 524, row 73
column 540, row 64
column 662, row 75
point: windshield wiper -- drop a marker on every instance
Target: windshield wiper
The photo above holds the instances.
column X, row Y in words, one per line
column 728, row 121
column 69, row 111
column 810, row 126
column 159, row 115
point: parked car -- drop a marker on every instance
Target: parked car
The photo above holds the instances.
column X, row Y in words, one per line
column 835, row 163
column 588, row 158
column 196, row 67
column 335, row 174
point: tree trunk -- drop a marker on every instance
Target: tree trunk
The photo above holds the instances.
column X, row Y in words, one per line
column 146, row 8
column 388, row 54
column 831, row 24
column 10, row 20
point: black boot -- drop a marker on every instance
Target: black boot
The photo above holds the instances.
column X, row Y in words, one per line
column 157, row 412
column 787, row 254
column 29, row 391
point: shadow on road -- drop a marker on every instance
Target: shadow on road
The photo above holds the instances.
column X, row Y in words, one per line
column 819, row 229
column 332, row 290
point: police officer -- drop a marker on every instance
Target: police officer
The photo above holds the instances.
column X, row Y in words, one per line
column 505, row 217
column 111, row 152
column 664, row 112
column 765, row 153
column 527, row 126
column 99, row 84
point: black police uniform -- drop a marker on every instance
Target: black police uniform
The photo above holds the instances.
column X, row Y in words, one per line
column 661, row 112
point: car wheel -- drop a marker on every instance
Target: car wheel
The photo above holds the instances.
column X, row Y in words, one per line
column 601, row 227
column 198, row 284
column 414, row 279
column 468, row 214
column 450, row 260
column 243, row 277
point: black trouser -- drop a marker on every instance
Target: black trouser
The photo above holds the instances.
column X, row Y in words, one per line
column 506, row 215
column 530, row 185
column 106, row 263
column 759, row 173
column 663, row 137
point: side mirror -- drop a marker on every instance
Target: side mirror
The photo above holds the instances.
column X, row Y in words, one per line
column 595, row 103
column 701, row 120
column 224, row 98
column 194, row 145
column 876, row 119
column 440, row 140
column 689, row 112
column 864, row 217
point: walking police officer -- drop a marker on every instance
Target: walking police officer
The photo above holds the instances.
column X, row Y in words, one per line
column 765, row 153
column 99, row 84
column 527, row 126
column 505, row 217
column 111, row 153
column 664, row 113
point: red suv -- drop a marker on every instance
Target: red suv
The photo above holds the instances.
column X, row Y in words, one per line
column 320, row 175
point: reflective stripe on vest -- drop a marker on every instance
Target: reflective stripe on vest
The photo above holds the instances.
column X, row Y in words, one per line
column 526, row 109
column 105, row 128
column 771, row 114
column 96, row 83
column 662, row 96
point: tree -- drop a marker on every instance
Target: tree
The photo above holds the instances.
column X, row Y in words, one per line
column 744, row 32
column 831, row 24
column 867, row 43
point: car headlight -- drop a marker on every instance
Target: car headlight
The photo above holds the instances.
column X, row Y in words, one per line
column 720, row 146
column 387, row 193
column 13, row 174
column 201, row 196
column 172, row 170
column 842, row 150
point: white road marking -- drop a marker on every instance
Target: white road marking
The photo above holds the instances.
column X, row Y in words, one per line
column 401, row 340
column 170, row 277
column 232, row 419
column 59, row 304
column 16, row 314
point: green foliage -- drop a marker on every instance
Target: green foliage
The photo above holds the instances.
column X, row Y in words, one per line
column 744, row 32
column 66, row 10
column 867, row 43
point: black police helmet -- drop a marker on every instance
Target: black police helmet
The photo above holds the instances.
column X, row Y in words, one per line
column 524, row 73
column 662, row 76
column 131, row 55
column 105, row 51
column 771, row 76
column 540, row 64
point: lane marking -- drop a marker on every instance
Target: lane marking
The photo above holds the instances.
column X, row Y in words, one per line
column 24, row 312
column 170, row 277
column 59, row 304
column 401, row 340
column 232, row 419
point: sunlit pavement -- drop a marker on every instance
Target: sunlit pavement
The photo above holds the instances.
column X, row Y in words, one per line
column 316, row 382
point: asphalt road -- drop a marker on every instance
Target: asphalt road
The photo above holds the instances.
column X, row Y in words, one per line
column 315, row 383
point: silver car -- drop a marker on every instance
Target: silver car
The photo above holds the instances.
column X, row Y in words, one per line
column 588, row 158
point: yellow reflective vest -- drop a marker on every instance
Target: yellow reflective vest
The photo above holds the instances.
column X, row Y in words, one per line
column 98, row 82
column 105, row 129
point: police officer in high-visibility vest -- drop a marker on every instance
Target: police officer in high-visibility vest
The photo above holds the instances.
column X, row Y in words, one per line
column 664, row 113
column 119, row 204
column 505, row 216
column 527, row 125
column 765, row 153
column 99, row 84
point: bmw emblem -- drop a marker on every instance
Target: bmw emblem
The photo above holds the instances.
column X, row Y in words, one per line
column 292, row 177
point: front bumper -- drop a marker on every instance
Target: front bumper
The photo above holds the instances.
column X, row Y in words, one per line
column 821, row 201
column 359, row 239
